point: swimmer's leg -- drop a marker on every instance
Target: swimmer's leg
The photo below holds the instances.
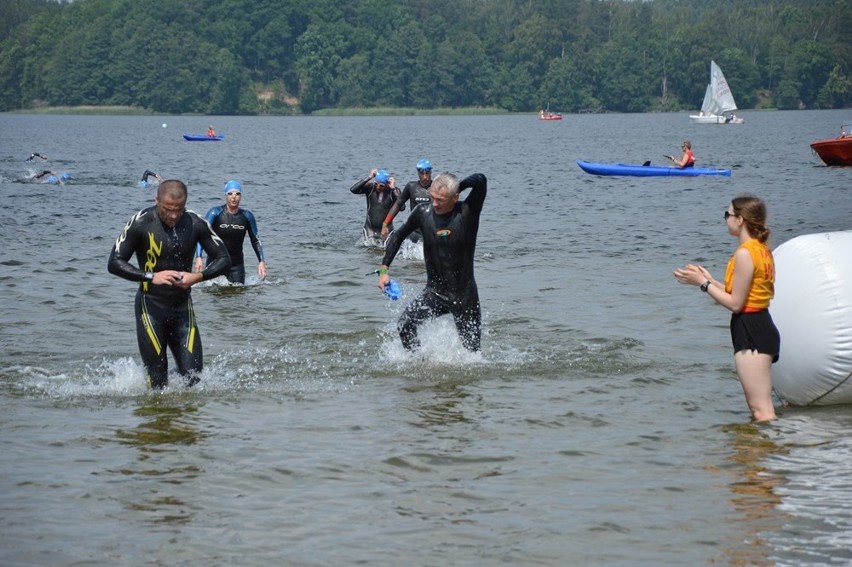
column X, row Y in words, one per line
column 469, row 326
column 425, row 306
column 151, row 336
column 185, row 344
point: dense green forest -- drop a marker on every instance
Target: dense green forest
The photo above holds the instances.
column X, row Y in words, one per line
column 301, row 56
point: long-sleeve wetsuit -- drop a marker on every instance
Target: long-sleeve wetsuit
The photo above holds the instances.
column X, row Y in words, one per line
column 232, row 229
column 164, row 314
column 449, row 243
column 378, row 205
column 415, row 194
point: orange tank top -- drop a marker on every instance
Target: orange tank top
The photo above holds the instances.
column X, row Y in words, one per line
column 763, row 281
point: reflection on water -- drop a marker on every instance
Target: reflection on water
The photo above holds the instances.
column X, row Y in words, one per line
column 166, row 427
column 753, row 494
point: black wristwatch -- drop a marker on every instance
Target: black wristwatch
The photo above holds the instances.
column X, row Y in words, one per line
column 149, row 276
column 705, row 286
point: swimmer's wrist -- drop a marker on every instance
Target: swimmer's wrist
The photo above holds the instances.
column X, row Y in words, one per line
column 383, row 271
column 388, row 220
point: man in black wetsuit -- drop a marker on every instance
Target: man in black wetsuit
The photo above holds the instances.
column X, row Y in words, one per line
column 232, row 224
column 449, row 231
column 381, row 192
column 416, row 192
column 164, row 237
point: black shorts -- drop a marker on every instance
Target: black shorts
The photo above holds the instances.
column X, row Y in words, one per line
column 755, row 331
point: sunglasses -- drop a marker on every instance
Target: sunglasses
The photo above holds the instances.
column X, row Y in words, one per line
column 421, row 171
column 729, row 215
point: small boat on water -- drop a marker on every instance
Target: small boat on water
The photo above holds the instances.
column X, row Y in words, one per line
column 203, row 138
column 836, row 151
column 547, row 115
column 639, row 170
column 718, row 106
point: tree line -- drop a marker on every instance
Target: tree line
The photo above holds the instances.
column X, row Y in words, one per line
column 300, row 56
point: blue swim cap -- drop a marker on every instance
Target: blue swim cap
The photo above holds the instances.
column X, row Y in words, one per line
column 382, row 176
column 424, row 165
column 233, row 185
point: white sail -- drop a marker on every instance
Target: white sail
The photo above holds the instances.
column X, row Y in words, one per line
column 707, row 106
column 718, row 104
column 721, row 92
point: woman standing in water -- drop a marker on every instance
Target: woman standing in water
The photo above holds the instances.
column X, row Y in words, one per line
column 747, row 290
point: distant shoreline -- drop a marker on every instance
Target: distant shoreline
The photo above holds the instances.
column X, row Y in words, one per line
column 379, row 111
column 383, row 111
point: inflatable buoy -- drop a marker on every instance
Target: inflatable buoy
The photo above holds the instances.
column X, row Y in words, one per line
column 812, row 309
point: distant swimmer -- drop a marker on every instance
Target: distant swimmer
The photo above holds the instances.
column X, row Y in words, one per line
column 416, row 192
column 148, row 173
column 381, row 193
column 232, row 222
column 36, row 155
column 41, row 174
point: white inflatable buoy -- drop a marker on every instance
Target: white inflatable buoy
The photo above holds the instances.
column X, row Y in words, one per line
column 164, row 124
column 812, row 309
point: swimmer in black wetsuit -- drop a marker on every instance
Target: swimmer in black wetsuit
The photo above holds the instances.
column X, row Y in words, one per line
column 449, row 230
column 164, row 237
column 35, row 155
column 416, row 192
column 41, row 174
column 148, row 173
column 232, row 224
column 381, row 192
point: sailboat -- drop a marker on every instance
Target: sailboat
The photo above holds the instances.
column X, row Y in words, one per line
column 718, row 106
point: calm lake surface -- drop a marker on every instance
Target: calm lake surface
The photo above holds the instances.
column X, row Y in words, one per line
column 602, row 424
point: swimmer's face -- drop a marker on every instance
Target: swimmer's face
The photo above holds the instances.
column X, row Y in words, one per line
column 442, row 201
column 170, row 209
column 233, row 198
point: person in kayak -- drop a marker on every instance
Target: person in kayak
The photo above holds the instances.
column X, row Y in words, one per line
column 416, row 192
column 164, row 237
column 449, row 230
column 211, row 133
column 687, row 159
column 380, row 190
column 747, row 290
column 232, row 223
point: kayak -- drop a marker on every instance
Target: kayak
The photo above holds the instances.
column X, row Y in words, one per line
column 203, row 138
column 647, row 170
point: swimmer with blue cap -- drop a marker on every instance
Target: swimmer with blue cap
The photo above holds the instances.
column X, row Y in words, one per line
column 415, row 192
column 379, row 188
column 232, row 223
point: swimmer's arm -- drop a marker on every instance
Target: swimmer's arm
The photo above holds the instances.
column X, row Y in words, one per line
column 218, row 261
column 478, row 185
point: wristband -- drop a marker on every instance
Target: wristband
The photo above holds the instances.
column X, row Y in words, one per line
column 388, row 219
column 383, row 271
column 705, row 286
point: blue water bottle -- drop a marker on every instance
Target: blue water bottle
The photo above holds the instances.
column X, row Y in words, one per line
column 392, row 290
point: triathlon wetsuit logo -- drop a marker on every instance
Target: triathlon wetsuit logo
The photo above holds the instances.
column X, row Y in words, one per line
column 443, row 232
column 155, row 250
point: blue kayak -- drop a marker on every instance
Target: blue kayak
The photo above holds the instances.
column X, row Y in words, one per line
column 647, row 170
column 203, row 138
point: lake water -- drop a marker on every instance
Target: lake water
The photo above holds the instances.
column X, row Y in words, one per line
column 602, row 424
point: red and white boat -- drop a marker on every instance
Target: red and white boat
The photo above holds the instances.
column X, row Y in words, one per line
column 836, row 151
column 547, row 115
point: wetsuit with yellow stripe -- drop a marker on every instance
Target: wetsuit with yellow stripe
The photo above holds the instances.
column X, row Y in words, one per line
column 164, row 314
